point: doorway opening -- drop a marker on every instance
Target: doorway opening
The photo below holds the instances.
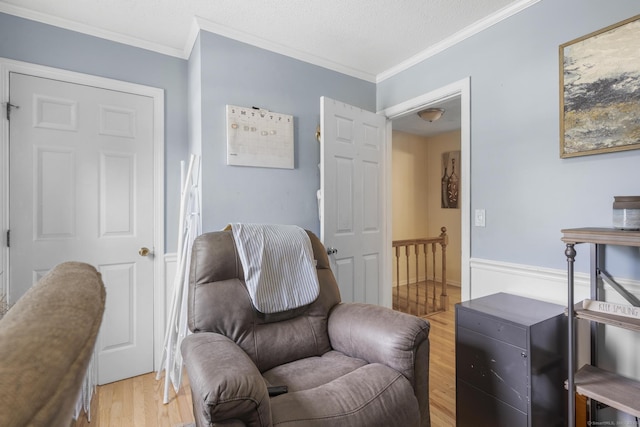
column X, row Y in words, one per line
column 420, row 153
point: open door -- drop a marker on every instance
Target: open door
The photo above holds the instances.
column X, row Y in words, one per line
column 352, row 200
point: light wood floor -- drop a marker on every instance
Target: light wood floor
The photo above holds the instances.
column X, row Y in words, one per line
column 137, row 402
column 442, row 368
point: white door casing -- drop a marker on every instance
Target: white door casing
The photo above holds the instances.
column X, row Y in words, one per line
column 352, row 200
column 82, row 188
column 462, row 89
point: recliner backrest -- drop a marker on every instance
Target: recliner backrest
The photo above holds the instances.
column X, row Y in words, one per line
column 219, row 302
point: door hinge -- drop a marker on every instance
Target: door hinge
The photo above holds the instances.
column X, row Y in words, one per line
column 8, row 238
column 9, row 107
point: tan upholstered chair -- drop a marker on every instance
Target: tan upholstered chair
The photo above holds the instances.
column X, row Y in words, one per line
column 46, row 342
column 343, row 364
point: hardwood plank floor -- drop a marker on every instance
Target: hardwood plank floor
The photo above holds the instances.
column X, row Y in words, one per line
column 137, row 402
column 442, row 369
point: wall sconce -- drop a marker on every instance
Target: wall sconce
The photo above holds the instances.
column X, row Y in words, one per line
column 431, row 114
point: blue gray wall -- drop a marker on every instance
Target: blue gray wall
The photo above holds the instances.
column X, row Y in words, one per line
column 529, row 193
column 240, row 74
column 36, row 43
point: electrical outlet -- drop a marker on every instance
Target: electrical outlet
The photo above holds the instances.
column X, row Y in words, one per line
column 479, row 218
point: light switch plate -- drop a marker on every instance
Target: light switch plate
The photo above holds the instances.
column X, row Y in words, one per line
column 479, row 218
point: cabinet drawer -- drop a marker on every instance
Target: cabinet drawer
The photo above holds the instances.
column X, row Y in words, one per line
column 478, row 409
column 492, row 327
column 495, row 367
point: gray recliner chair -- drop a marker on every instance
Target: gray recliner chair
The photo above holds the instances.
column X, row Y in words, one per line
column 344, row 364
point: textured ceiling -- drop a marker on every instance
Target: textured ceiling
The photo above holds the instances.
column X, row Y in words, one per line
column 368, row 39
column 363, row 38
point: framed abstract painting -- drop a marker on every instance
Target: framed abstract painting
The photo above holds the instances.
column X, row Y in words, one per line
column 600, row 91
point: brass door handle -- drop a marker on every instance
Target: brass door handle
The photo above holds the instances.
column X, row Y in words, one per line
column 144, row 251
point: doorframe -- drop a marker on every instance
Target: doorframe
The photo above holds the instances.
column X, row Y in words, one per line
column 461, row 88
column 7, row 66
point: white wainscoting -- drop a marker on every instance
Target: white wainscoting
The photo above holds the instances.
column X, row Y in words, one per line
column 488, row 277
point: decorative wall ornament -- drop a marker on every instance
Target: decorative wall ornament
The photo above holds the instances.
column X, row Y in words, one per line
column 450, row 183
column 600, row 91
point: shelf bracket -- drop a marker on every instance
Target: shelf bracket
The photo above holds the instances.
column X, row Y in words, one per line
column 633, row 300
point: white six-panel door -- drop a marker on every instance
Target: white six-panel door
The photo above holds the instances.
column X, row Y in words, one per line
column 352, row 198
column 81, row 188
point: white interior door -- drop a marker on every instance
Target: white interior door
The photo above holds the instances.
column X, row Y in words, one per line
column 353, row 219
column 81, row 188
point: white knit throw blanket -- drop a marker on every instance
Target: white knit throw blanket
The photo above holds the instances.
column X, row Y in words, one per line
column 279, row 268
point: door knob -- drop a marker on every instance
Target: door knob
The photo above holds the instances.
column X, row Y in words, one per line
column 144, row 251
column 331, row 251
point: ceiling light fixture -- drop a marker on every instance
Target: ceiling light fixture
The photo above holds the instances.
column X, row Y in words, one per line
column 431, row 114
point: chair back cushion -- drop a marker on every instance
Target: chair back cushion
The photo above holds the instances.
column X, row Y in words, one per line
column 219, row 302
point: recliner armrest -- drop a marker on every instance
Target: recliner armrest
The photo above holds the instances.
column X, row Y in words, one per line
column 224, row 381
column 379, row 335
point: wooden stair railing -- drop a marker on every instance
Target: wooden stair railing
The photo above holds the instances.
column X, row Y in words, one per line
column 426, row 244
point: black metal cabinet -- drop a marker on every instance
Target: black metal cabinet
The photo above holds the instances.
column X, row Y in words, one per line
column 510, row 362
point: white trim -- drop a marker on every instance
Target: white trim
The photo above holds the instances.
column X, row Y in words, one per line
column 190, row 42
column 4, row 182
column 89, row 30
column 7, row 66
column 536, row 282
column 460, row 88
column 385, row 291
column 262, row 43
column 456, row 38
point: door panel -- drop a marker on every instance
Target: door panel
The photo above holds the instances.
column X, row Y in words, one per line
column 117, row 187
column 351, row 203
column 81, row 189
column 55, row 193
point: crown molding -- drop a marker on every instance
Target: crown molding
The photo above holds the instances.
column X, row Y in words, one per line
column 89, row 30
column 190, row 42
column 456, row 38
column 222, row 30
column 201, row 24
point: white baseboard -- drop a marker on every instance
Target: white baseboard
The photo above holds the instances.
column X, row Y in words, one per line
column 547, row 284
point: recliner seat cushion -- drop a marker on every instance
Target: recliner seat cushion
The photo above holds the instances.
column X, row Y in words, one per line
column 373, row 395
column 313, row 371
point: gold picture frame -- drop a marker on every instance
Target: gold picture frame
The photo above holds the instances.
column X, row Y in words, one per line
column 599, row 94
